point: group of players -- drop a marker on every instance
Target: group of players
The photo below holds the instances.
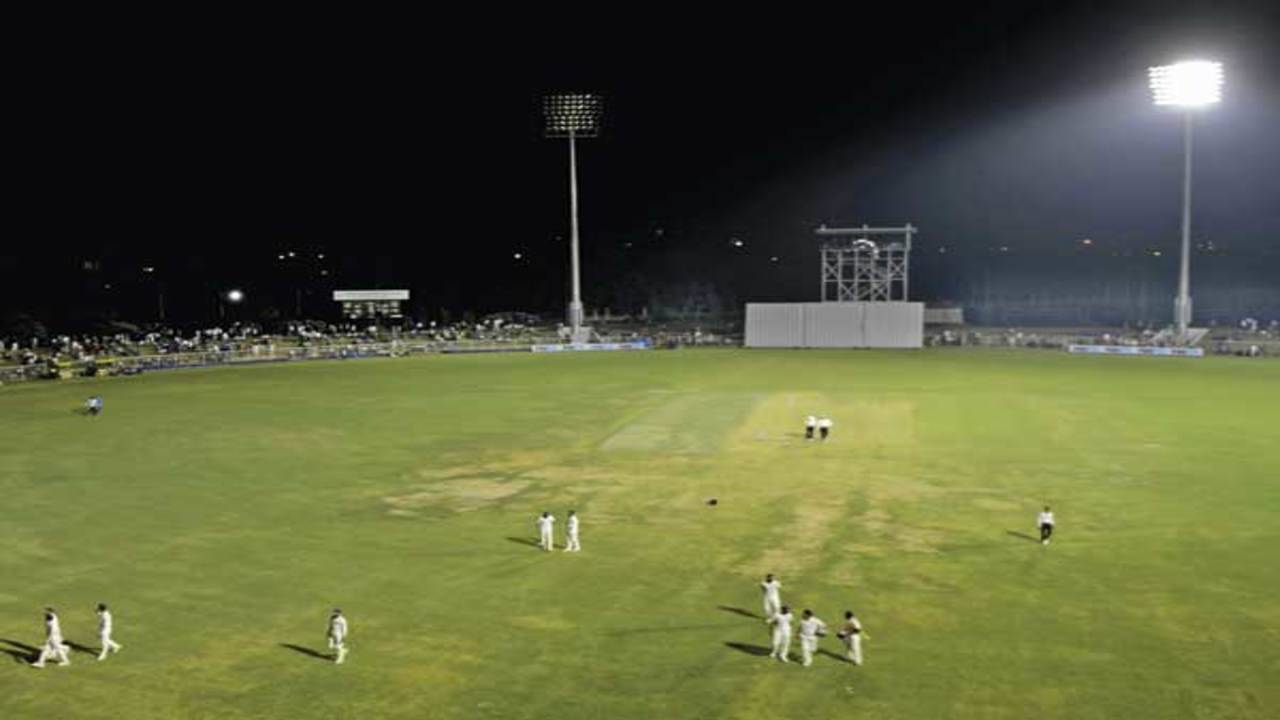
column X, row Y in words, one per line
column 55, row 648
column 546, row 538
column 821, row 424
column 777, row 615
column 780, row 618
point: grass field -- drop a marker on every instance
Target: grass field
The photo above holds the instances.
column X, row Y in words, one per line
column 222, row 513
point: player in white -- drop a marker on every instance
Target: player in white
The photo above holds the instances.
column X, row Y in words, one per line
column 104, row 632
column 824, row 426
column 571, row 543
column 810, row 423
column 781, row 622
column 772, row 596
column 811, row 628
column 1044, row 521
column 545, row 523
column 53, row 645
column 338, row 636
column 851, row 633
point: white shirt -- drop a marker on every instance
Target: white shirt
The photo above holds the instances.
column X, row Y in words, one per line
column 771, row 588
column 104, row 622
column 52, row 630
column 825, row 423
column 811, row 421
column 545, row 523
column 337, row 627
column 573, row 524
column 811, row 627
column 852, row 627
column 1044, row 518
column 781, row 623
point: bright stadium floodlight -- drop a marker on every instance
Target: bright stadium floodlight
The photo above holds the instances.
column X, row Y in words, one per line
column 573, row 116
column 1187, row 85
column 1190, row 84
column 235, row 296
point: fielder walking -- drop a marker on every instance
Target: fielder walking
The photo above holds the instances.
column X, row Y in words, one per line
column 571, row 543
column 1044, row 521
column 338, row 636
column 811, row 628
column 851, row 634
column 781, row 623
column 810, row 423
column 104, row 633
column 772, row 595
column 545, row 523
column 54, row 647
column 824, row 426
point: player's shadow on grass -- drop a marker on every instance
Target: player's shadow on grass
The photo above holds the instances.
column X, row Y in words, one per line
column 832, row 655
column 525, row 541
column 23, row 653
column 739, row 611
column 306, row 651
column 1024, row 536
column 81, row 648
column 757, row 650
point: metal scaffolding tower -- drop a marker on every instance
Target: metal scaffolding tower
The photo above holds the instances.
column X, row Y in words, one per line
column 859, row 266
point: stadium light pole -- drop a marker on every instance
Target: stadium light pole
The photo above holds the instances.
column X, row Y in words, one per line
column 1187, row 85
column 573, row 116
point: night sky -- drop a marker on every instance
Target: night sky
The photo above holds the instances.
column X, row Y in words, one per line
column 408, row 152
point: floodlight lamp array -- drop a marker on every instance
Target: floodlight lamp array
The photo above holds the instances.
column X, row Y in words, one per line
column 1194, row 83
column 576, row 114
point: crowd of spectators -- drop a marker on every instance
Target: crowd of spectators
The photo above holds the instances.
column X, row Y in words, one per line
column 1249, row 337
column 162, row 340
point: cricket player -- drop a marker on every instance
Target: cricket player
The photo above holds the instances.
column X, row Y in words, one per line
column 824, row 426
column 104, row 632
column 851, row 634
column 53, row 645
column 811, row 628
column 1044, row 521
column 781, row 622
column 545, row 523
column 338, row 636
column 94, row 404
column 810, row 423
column 772, row 596
column 571, row 533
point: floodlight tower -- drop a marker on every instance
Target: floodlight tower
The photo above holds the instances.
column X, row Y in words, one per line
column 573, row 116
column 1188, row 85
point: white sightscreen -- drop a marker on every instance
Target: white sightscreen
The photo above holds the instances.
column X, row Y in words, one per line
column 775, row 325
column 894, row 325
column 835, row 325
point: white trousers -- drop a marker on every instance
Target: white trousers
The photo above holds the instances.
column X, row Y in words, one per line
column 53, row 650
column 808, row 646
column 854, row 643
column 340, row 645
column 571, row 543
column 781, row 645
column 772, row 605
column 107, row 645
column 547, row 541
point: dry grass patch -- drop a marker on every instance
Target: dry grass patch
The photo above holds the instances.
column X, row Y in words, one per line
column 457, row 495
column 800, row 546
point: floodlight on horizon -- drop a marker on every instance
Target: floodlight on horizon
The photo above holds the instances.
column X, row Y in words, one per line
column 572, row 115
column 1187, row 84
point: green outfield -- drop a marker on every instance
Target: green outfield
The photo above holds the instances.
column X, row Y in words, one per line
column 222, row 513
